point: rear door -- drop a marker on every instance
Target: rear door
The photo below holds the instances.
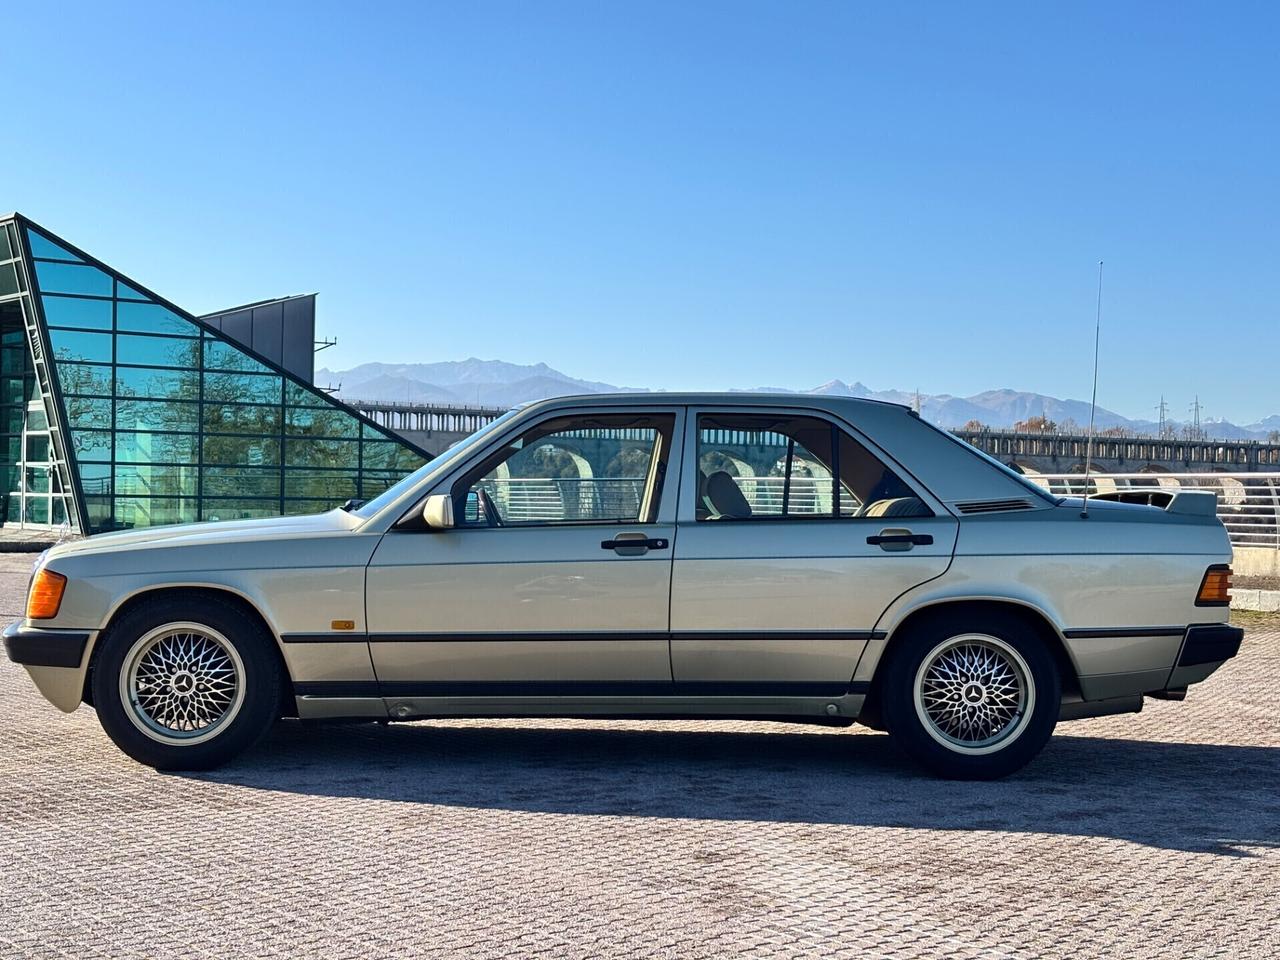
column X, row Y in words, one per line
column 794, row 536
column 556, row 579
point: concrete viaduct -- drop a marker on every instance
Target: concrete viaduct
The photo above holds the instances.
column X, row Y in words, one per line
column 435, row 427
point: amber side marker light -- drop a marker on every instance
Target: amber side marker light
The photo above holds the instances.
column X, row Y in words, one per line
column 1215, row 588
column 45, row 596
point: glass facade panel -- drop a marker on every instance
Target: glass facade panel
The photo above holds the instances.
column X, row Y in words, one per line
column 385, row 455
column 72, row 278
column 85, row 379
column 8, row 279
column 296, row 395
column 89, row 413
column 241, row 451
column 335, row 485
column 126, row 292
column 322, row 453
column 169, row 422
column 224, row 355
column 153, row 318
column 241, row 418
column 80, row 345
column 158, row 383
column 299, row 507
column 241, row 482
column 77, row 312
column 152, row 415
column 42, row 246
column 155, row 480
column 156, row 447
column 157, row 351
column 374, row 482
column 152, row 511
column 91, row 444
column 241, row 388
column 318, row 422
column 217, row 508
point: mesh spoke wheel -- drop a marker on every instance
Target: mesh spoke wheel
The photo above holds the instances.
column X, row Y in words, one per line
column 974, row 694
column 182, row 683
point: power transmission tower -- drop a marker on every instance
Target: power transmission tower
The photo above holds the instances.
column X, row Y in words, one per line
column 1196, row 410
column 1163, row 411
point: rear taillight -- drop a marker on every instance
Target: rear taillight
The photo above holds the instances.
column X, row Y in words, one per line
column 1215, row 588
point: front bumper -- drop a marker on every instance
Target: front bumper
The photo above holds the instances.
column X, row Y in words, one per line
column 33, row 647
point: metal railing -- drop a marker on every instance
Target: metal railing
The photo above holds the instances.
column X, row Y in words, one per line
column 526, row 499
column 1248, row 503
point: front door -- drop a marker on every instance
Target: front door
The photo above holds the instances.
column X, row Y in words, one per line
column 556, row 579
column 794, row 538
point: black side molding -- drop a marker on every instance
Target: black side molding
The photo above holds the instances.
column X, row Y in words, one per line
column 578, row 688
column 1210, row 643
column 1106, row 632
column 33, row 647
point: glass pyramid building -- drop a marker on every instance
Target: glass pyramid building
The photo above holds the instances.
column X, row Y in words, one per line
column 122, row 410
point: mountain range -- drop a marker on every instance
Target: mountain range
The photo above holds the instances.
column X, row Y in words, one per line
column 496, row 383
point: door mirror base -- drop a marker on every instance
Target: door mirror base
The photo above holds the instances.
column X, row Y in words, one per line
column 437, row 512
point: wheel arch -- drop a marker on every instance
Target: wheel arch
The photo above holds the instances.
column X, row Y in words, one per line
column 196, row 592
column 1029, row 614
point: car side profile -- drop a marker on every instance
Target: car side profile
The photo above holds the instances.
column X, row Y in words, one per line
column 816, row 559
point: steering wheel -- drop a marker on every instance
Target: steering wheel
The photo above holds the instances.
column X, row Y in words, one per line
column 491, row 516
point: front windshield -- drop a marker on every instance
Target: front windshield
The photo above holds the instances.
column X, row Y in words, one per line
column 393, row 493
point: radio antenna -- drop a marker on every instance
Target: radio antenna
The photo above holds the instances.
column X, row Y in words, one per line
column 1093, row 406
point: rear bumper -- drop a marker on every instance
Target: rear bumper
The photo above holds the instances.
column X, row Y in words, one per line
column 33, row 647
column 1210, row 643
column 1205, row 648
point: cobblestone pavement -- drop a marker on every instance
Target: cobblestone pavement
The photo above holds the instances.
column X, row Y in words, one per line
column 1153, row 835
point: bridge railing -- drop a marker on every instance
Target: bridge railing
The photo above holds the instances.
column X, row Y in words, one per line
column 1248, row 503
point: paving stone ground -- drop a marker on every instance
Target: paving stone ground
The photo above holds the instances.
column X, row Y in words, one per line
column 1154, row 835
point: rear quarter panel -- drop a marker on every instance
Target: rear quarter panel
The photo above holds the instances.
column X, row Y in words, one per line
column 1134, row 567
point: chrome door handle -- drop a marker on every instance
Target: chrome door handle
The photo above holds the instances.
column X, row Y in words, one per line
column 634, row 544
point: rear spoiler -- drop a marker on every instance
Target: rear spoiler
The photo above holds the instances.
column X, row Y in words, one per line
column 1188, row 503
column 1195, row 503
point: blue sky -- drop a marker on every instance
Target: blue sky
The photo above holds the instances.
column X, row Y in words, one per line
column 690, row 195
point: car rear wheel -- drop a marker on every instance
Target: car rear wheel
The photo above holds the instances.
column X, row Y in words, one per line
column 971, row 701
column 184, row 685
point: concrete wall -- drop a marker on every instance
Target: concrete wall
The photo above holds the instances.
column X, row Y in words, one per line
column 1256, row 562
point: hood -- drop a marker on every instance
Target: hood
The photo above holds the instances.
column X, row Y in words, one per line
column 225, row 531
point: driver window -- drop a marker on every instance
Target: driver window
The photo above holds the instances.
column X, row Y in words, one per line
column 766, row 467
column 582, row 469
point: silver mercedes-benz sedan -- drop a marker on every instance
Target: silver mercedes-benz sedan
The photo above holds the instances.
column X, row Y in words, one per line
column 817, row 559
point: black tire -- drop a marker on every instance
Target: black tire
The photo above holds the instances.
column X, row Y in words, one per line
column 967, row 756
column 246, row 713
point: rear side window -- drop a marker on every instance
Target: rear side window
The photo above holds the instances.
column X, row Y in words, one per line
column 766, row 467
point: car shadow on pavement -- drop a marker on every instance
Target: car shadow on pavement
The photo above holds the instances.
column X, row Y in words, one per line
column 1178, row 796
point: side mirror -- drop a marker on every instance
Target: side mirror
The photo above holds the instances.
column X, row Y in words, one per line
column 438, row 511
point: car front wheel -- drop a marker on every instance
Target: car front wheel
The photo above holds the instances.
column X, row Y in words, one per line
column 971, row 701
column 185, row 685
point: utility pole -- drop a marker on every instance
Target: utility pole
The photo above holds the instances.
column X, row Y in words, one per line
column 1196, row 410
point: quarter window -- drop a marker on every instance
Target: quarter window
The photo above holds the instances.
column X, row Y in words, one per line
column 764, row 467
column 588, row 469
